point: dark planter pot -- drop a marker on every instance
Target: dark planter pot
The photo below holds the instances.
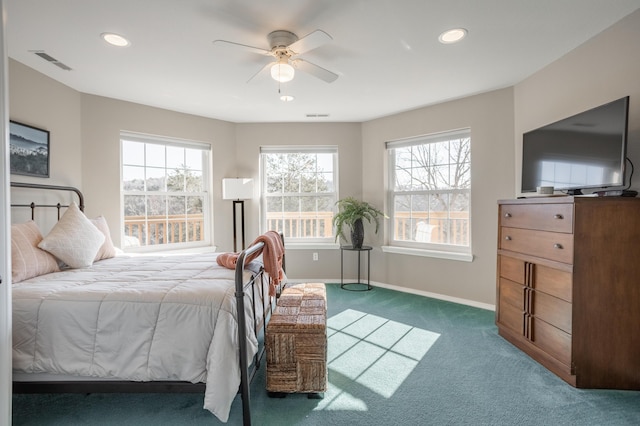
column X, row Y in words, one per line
column 357, row 234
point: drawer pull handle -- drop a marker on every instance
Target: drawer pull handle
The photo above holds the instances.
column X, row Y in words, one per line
column 558, row 216
column 557, row 245
column 508, row 238
column 507, row 215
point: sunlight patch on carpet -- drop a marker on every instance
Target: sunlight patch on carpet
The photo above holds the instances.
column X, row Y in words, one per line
column 368, row 353
column 338, row 399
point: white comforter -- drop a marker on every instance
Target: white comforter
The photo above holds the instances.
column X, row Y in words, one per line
column 139, row 318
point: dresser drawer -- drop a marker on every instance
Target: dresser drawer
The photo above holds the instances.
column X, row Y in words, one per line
column 552, row 310
column 554, row 282
column 511, row 317
column 512, row 293
column 543, row 217
column 549, row 245
column 552, row 340
column 513, row 269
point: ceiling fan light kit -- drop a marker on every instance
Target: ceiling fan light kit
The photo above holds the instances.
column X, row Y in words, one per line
column 282, row 72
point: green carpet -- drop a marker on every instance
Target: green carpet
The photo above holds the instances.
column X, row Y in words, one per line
column 394, row 359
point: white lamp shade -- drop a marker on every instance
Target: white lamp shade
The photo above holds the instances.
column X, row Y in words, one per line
column 282, row 72
column 237, row 189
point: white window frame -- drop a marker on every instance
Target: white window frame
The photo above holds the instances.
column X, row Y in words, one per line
column 440, row 250
column 205, row 194
column 299, row 242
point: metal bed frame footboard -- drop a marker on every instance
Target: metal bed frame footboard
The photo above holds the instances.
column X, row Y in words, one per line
column 247, row 370
column 246, row 374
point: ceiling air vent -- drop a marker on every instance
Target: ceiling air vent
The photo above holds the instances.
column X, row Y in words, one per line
column 51, row 59
column 317, row 115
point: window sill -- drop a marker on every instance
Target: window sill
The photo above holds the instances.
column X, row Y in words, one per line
column 462, row 257
column 311, row 246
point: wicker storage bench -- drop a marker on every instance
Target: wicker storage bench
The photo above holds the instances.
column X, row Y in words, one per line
column 296, row 342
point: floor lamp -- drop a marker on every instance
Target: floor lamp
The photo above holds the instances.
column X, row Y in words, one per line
column 238, row 190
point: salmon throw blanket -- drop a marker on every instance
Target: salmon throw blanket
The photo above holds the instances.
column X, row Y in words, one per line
column 272, row 255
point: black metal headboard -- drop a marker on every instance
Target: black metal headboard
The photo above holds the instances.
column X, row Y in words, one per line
column 33, row 205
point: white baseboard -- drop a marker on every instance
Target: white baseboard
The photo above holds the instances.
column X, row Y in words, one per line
column 438, row 296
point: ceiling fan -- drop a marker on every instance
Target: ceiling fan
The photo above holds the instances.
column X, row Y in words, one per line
column 285, row 48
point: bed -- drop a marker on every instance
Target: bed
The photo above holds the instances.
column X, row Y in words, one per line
column 141, row 323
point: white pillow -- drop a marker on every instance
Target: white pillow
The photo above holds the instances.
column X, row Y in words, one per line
column 74, row 239
column 107, row 250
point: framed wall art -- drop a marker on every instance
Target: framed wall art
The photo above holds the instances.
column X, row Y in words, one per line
column 29, row 150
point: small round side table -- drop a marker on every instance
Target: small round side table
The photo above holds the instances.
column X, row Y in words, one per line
column 350, row 286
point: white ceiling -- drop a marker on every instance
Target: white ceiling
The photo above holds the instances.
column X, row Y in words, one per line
column 386, row 52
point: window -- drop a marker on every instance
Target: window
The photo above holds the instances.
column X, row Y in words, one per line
column 430, row 188
column 299, row 192
column 165, row 192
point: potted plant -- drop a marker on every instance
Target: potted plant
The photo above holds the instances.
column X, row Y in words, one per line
column 350, row 213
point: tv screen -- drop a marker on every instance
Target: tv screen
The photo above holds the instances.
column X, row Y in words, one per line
column 587, row 150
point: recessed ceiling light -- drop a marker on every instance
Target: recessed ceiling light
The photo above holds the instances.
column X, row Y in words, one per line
column 115, row 39
column 286, row 98
column 452, row 36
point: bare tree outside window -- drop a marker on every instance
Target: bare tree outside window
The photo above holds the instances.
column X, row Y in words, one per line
column 430, row 190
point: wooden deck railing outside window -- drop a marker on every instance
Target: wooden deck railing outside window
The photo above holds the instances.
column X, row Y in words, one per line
column 442, row 227
column 301, row 224
column 171, row 229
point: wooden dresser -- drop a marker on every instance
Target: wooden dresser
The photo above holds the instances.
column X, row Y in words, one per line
column 568, row 286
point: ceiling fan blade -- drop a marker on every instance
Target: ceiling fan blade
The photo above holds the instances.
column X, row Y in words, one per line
column 310, row 42
column 315, row 70
column 265, row 67
column 253, row 49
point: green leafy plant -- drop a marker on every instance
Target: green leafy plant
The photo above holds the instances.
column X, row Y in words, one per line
column 350, row 210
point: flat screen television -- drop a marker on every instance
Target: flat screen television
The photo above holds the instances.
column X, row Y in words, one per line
column 587, row 150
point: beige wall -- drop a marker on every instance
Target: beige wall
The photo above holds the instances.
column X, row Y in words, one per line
column 490, row 118
column 603, row 69
column 39, row 101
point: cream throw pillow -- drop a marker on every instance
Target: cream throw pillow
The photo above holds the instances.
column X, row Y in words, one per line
column 74, row 239
column 107, row 250
column 27, row 260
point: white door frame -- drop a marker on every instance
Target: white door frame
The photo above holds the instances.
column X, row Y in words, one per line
column 5, row 240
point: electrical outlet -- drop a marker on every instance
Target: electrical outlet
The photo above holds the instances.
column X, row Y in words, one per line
column 315, row 256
